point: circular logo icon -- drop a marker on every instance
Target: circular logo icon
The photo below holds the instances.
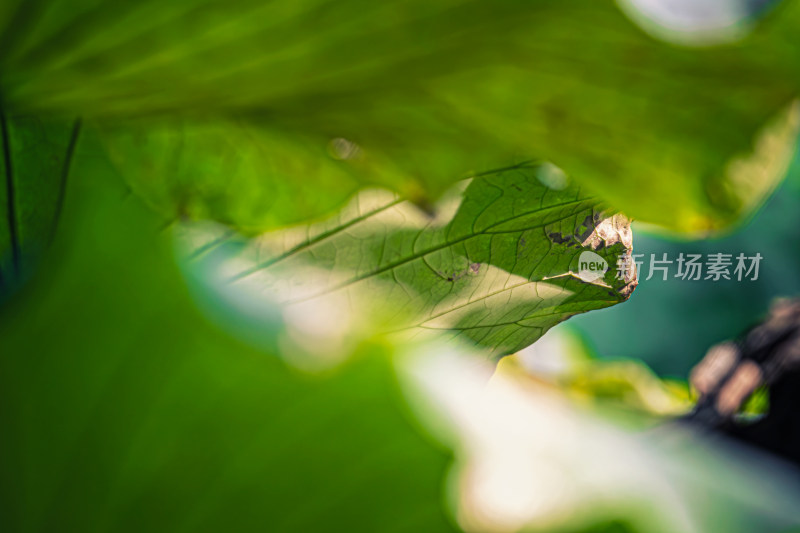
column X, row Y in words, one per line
column 591, row 266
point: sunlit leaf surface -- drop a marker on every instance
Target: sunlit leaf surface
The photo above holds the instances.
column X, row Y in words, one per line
column 497, row 262
column 530, row 459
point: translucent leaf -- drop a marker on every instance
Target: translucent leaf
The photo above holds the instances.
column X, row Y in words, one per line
column 499, row 261
column 433, row 92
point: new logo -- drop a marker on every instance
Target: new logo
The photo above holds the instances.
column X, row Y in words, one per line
column 591, row 266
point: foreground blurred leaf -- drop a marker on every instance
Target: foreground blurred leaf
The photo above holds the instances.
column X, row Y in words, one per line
column 436, row 91
column 239, row 173
column 530, row 458
column 497, row 264
column 122, row 409
column 34, row 166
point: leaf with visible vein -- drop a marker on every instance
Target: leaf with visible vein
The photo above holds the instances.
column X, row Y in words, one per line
column 497, row 263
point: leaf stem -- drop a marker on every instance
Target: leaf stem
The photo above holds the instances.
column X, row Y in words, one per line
column 11, row 211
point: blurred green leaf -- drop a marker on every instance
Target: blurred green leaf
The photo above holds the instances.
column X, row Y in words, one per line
column 436, row 91
column 238, row 172
column 122, row 409
column 497, row 263
column 34, row 166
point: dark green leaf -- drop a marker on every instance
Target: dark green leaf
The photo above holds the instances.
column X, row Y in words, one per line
column 122, row 409
column 34, row 166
